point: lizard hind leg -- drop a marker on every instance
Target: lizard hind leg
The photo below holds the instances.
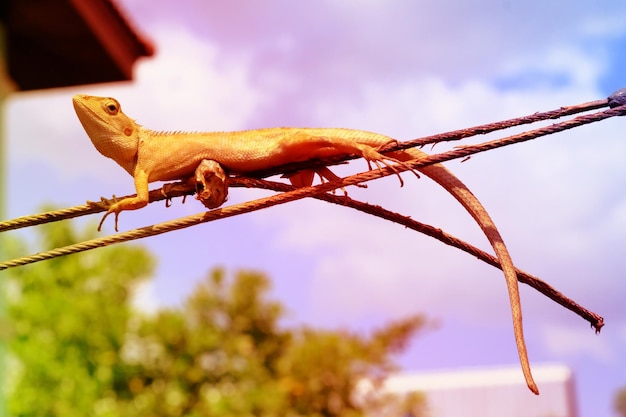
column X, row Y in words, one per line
column 341, row 144
column 305, row 178
column 326, row 175
column 302, row 178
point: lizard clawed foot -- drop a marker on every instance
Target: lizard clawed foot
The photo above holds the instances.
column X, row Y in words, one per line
column 405, row 165
column 110, row 205
column 113, row 208
column 379, row 159
column 117, row 214
column 379, row 162
column 176, row 187
column 326, row 175
column 380, row 168
column 104, row 203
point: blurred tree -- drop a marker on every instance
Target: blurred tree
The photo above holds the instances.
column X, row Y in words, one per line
column 322, row 368
column 82, row 352
column 619, row 403
column 68, row 319
column 415, row 404
column 224, row 354
column 216, row 356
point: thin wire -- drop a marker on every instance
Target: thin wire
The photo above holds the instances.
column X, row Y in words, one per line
column 156, row 195
column 81, row 210
column 538, row 284
column 289, row 194
column 295, row 194
column 505, row 124
column 171, row 225
column 465, row 133
column 313, row 190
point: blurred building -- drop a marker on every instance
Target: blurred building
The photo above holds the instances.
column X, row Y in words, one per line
column 484, row 392
column 61, row 43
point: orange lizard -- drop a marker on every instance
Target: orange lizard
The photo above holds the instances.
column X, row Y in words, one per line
column 164, row 156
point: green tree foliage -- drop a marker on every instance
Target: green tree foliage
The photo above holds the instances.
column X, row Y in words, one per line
column 81, row 350
column 68, row 319
column 216, row 356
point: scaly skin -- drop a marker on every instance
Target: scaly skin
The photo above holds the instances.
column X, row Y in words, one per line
column 164, row 156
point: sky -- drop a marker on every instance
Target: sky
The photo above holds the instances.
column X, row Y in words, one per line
column 404, row 69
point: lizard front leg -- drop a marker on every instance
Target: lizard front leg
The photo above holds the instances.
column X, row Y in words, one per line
column 210, row 182
column 131, row 203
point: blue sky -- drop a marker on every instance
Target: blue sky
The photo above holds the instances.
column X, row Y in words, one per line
column 405, row 69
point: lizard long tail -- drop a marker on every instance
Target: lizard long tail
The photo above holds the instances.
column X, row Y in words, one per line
column 461, row 192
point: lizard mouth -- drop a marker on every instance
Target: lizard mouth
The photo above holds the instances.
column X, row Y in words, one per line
column 84, row 108
column 80, row 106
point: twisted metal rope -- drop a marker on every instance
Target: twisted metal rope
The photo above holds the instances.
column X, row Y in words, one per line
column 596, row 321
column 157, row 195
column 246, row 207
column 321, row 191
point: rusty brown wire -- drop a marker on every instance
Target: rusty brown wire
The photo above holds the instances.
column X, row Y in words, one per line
column 157, row 195
column 290, row 193
column 322, row 191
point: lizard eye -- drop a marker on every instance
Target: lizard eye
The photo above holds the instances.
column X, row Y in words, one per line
column 112, row 107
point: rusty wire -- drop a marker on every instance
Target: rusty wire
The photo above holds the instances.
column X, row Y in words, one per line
column 157, row 195
column 321, row 191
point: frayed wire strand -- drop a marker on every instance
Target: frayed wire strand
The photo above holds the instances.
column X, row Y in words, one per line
column 290, row 193
column 595, row 320
column 463, row 152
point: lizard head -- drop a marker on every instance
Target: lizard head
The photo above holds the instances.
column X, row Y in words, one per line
column 114, row 134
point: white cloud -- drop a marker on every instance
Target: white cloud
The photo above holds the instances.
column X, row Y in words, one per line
column 376, row 77
column 189, row 86
column 185, row 87
column 38, row 128
column 563, row 341
column 366, row 264
column 563, row 63
column 608, row 25
column 534, row 193
column 405, row 69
